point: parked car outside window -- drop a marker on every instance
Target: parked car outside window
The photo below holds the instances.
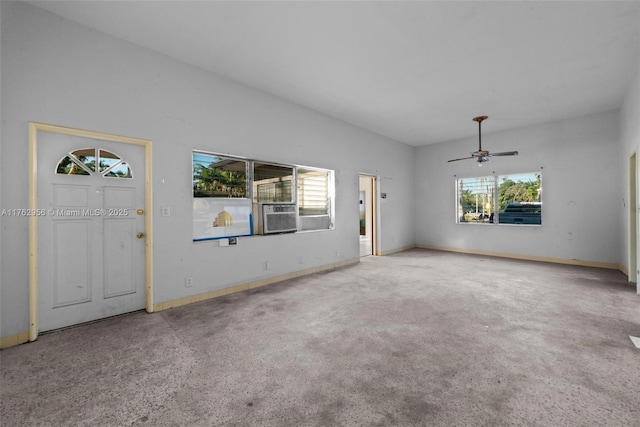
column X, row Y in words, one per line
column 521, row 213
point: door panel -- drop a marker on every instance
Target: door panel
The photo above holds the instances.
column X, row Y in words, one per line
column 71, row 262
column 70, row 196
column 120, row 276
column 119, row 197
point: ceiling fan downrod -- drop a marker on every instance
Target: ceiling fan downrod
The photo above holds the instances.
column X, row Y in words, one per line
column 479, row 119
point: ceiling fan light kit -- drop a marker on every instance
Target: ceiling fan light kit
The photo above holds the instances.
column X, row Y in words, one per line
column 481, row 155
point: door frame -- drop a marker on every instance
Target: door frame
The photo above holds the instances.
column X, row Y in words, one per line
column 375, row 221
column 633, row 219
column 34, row 129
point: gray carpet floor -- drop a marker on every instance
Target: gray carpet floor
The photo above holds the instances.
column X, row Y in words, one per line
column 416, row 338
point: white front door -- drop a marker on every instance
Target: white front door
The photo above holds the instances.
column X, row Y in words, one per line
column 90, row 196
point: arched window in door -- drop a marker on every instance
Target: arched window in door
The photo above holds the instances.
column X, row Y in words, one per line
column 94, row 161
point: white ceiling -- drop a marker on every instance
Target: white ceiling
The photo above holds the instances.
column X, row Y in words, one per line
column 417, row 72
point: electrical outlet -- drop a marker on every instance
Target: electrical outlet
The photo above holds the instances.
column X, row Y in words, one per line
column 188, row 282
column 267, row 265
column 166, row 211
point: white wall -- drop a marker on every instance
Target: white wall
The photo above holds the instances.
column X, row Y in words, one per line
column 1, row 126
column 581, row 190
column 58, row 72
column 630, row 136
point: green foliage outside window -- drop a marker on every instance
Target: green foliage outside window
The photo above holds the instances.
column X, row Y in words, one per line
column 215, row 176
column 522, row 190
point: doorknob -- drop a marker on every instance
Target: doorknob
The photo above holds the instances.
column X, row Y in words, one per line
column 140, row 235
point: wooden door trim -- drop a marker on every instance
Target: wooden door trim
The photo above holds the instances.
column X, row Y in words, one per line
column 375, row 221
column 34, row 129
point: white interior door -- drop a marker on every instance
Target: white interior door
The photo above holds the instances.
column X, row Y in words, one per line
column 90, row 229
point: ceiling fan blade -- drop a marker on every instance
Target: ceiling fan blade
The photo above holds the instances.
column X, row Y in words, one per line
column 505, row 153
column 464, row 158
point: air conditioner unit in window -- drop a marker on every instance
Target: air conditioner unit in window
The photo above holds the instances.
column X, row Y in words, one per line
column 277, row 218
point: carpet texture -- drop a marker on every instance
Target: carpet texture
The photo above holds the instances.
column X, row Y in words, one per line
column 416, row 338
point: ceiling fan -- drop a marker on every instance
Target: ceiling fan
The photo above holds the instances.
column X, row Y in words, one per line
column 483, row 155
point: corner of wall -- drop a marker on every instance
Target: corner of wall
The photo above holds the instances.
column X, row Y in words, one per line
column 629, row 144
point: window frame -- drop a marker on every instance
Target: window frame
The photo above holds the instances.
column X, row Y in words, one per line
column 329, row 179
column 319, row 222
column 460, row 209
column 533, row 218
column 109, row 172
column 330, row 201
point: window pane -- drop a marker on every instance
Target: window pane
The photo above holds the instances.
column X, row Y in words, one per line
column 69, row 166
column 313, row 192
column 519, row 199
column 272, row 183
column 86, row 156
column 120, row 171
column 107, row 159
column 476, row 197
column 217, row 176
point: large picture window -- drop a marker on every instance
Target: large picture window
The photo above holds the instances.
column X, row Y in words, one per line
column 504, row 199
column 235, row 197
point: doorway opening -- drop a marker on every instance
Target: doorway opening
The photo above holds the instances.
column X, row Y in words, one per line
column 368, row 232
